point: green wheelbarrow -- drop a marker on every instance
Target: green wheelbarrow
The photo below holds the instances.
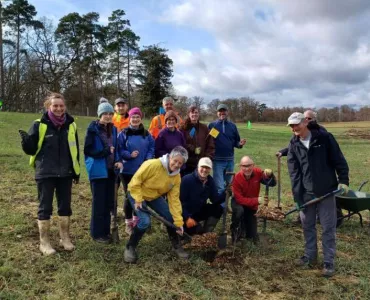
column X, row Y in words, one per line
column 354, row 202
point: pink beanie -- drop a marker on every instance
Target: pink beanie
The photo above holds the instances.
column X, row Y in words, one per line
column 135, row 111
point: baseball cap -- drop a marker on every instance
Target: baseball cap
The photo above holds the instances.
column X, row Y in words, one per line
column 120, row 100
column 205, row 162
column 295, row 118
column 222, row 106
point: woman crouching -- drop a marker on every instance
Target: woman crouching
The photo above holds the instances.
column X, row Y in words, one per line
column 154, row 179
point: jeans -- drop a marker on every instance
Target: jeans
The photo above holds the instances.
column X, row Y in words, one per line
column 159, row 205
column 220, row 167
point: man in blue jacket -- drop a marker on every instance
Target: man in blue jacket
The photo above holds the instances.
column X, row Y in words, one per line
column 195, row 189
column 226, row 140
column 316, row 167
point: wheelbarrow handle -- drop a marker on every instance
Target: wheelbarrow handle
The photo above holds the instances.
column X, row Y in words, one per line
column 313, row 201
column 163, row 220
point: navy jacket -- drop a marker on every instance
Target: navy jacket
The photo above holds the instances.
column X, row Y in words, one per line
column 194, row 195
column 130, row 140
column 54, row 158
column 315, row 170
column 96, row 151
column 226, row 141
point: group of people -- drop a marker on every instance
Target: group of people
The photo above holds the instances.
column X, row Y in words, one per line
column 167, row 168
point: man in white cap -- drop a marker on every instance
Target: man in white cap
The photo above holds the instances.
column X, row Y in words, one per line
column 158, row 121
column 195, row 189
column 316, row 167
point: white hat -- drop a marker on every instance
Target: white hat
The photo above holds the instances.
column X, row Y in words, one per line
column 205, row 162
column 295, row 118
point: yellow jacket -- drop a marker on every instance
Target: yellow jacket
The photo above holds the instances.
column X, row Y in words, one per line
column 152, row 181
column 157, row 124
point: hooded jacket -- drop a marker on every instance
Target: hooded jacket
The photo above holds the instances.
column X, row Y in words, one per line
column 153, row 180
column 167, row 140
column 54, row 158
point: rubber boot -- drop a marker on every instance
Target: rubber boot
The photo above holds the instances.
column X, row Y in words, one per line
column 176, row 245
column 130, row 255
column 65, row 240
column 210, row 224
column 44, row 229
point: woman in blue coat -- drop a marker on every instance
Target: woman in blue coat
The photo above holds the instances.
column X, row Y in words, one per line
column 101, row 160
column 136, row 146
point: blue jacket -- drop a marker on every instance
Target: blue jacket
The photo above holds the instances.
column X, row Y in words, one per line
column 194, row 195
column 226, row 141
column 96, row 151
column 130, row 140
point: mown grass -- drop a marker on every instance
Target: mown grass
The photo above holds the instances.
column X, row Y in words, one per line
column 96, row 271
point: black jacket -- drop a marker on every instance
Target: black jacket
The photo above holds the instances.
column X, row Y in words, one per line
column 54, row 158
column 315, row 170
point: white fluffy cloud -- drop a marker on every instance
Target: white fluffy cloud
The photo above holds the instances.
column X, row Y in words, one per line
column 311, row 53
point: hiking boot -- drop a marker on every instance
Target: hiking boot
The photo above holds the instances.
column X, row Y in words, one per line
column 44, row 229
column 103, row 240
column 304, row 261
column 328, row 270
column 180, row 252
column 176, row 245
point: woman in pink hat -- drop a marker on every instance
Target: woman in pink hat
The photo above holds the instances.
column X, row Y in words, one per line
column 136, row 146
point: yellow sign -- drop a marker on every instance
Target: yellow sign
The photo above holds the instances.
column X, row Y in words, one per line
column 214, row 132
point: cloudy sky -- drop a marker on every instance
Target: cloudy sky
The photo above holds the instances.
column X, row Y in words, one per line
column 313, row 53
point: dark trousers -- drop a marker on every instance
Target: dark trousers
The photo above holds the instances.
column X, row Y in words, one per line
column 243, row 218
column 102, row 203
column 127, row 208
column 63, row 190
column 207, row 210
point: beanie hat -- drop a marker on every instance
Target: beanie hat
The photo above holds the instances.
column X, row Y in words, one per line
column 135, row 111
column 104, row 107
column 103, row 100
column 170, row 114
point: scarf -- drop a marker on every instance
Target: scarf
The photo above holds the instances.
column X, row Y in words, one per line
column 57, row 121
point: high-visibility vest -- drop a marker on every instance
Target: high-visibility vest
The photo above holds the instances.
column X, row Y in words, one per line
column 71, row 142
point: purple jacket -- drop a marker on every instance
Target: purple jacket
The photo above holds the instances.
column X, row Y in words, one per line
column 167, row 140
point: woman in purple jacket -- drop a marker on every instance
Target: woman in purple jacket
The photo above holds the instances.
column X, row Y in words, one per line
column 169, row 137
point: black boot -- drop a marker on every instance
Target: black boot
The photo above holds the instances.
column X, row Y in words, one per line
column 130, row 255
column 210, row 224
column 176, row 245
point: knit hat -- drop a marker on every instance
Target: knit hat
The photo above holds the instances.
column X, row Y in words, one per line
column 170, row 114
column 103, row 100
column 135, row 111
column 104, row 107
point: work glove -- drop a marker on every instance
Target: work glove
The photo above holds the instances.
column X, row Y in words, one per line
column 267, row 172
column 344, row 188
column 190, row 222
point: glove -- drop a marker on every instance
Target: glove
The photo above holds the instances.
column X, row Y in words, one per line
column 344, row 188
column 190, row 223
column 197, row 150
column 267, row 172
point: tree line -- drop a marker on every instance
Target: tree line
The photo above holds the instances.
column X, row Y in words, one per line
column 80, row 58
column 86, row 60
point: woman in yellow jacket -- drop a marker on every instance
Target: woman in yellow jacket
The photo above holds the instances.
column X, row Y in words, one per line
column 155, row 178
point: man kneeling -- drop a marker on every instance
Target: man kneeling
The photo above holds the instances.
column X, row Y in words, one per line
column 195, row 189
column 246, row 189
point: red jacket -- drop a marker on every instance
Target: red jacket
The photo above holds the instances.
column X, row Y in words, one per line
column 246, row 192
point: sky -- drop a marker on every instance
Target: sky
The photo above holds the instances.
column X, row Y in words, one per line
column 283, row 53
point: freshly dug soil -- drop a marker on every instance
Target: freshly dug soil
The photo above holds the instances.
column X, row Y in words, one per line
column 269, row 213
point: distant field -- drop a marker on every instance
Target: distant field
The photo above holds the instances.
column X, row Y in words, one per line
column 98, row 272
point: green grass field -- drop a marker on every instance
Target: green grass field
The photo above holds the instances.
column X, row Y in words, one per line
column 95, row 271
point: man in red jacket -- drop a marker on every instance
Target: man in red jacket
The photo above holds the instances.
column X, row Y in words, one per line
column 246, row 190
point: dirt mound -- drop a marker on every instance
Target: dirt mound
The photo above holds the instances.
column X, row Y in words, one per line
column 361, row 134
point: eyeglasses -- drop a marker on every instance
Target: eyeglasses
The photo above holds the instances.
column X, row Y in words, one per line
column 309, row 119
column 247, row 166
